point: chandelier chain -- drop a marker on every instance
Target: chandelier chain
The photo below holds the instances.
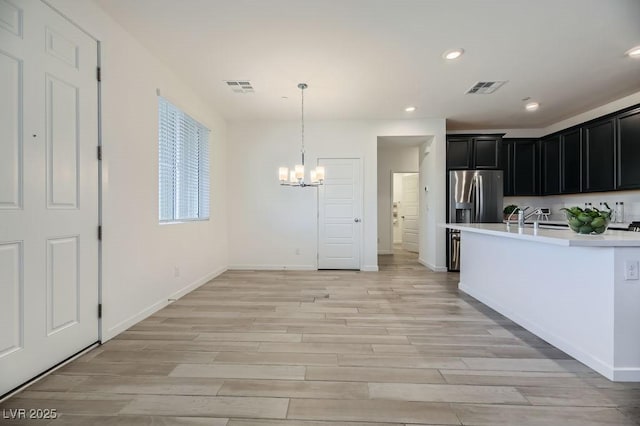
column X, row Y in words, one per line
column 302, row 119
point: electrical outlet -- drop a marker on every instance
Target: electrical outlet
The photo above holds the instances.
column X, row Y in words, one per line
column 631, row 270
column 176, row 271
column 297, row 251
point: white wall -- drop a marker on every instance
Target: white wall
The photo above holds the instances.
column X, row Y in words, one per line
column 391, row 159
column 267, row 222
column 139, row 255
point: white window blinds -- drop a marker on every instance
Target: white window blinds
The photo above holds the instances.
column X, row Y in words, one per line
column 183, row 165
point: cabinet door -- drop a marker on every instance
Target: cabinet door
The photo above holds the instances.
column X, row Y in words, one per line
column 571, row 170
column 459, row 153
column 487, row 152
column 550, row 153
column 599, row 156
column 507, row 165
column 629, row 150
column 525, row 167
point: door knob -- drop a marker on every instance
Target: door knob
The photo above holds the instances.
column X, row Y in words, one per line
column 356, row 220
column 402, row 217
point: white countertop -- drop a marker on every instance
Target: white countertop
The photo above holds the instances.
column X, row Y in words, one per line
column 555, row 223
column 563, row 237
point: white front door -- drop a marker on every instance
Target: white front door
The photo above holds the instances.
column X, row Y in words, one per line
column 48, row 191
column 410, row 212
column 340, row 214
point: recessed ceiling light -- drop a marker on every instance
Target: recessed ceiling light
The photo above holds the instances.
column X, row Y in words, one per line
column 453, row 53
column 532, row 106
column 634, row 52
column 410, row 109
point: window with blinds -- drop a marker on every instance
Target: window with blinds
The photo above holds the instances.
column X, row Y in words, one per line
column 183, row 165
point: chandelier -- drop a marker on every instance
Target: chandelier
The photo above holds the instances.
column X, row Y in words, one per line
column 295, row 177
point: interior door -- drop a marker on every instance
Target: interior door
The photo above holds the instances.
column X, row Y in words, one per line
column 340, row 214
column 48, row 191
column 410, row 212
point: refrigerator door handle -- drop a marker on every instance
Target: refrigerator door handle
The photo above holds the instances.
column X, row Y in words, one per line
column 480, row 199
column 476, row 198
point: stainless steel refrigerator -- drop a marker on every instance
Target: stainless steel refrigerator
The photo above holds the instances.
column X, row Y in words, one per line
column 475, row 196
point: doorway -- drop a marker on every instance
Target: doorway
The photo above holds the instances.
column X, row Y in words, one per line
column 405, row 211
column 399, row 157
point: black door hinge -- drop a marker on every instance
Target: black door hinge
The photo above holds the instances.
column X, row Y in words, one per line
column 99, row 310
column 100, row 232
column 99, row 73
column 100, row 152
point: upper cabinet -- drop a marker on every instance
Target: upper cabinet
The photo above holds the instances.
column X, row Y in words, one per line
column 598, row 159
column 459, row 153
column 629, row 149
column 571, row 161
column 474, row 152
column 550, row 162
column 521, row 167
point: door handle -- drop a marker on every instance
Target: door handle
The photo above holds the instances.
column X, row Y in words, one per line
column 356, row 220
column 402, row 217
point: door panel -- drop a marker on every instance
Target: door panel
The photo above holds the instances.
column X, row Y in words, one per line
column 410, row 212
column 48, row 191
column 11, row 288
column 339, row 206
column 62, row 283
column 62, row 143
column 10, row 132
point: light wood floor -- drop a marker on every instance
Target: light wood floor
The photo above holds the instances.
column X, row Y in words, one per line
column 330, row 348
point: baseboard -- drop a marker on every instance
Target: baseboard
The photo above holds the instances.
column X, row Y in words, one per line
column 152, row 309
column 559, row 342
column 383, row 252
column 250, row 267
column 369, row 268
column 626, row 374
column 434, row 268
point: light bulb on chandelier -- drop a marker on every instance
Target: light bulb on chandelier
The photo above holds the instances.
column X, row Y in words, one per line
column 295, row 177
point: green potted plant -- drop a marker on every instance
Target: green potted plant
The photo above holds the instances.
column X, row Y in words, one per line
column 510, row 210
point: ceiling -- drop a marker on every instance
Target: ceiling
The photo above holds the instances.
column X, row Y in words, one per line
column 369, row 59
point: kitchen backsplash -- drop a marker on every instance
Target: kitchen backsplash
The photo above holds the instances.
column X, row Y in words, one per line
column 631, row 201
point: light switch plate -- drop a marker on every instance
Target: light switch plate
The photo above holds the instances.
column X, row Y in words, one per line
column 631, row 270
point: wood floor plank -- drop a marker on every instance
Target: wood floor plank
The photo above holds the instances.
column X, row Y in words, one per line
column 294, row 388
column 446, row 393
column 371, row 411
column 491, row 415
column 375, row 374
column 202, row 406
column 124, row 420
column 233, row 371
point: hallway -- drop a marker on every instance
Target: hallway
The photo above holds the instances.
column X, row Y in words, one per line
column 327, row 348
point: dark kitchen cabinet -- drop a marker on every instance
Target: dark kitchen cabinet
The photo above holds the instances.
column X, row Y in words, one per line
column 521, row 166
column 474, row 152
column 487, row 152
column 598, row 156
column 459, row 153
column 628, row 125
column 571, row 161
column 550, row 162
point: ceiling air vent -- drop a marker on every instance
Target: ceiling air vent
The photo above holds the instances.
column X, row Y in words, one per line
column 485, row 87
column 240, row 86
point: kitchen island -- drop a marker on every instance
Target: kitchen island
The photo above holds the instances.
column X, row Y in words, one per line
column 569, row 289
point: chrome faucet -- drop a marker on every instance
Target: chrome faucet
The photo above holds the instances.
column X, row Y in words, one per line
column 522, row 217
column 537, row 211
